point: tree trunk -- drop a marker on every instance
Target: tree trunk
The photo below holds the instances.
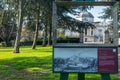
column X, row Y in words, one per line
column 7, row 43
column 37, row 26
column 49, row 34
column 35, row 35
column 20, row 20
column 45, row 37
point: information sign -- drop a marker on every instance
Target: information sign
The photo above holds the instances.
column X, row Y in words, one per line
column 85, row 60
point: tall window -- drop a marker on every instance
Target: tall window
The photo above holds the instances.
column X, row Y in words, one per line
column 92, row 32
column 85, row 31
column 85, row 39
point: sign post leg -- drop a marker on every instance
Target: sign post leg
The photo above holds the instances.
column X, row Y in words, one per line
column 105, row 76
column 64, row 76
column 81, row 76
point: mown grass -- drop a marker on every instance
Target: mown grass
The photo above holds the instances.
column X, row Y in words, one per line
column 33, row 65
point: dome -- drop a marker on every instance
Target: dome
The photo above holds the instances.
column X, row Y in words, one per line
column 86, row 14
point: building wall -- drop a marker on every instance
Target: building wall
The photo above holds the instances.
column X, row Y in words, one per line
column 86, row 19
column 95, row 35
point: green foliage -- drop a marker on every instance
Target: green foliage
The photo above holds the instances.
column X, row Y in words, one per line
column 33, row 65
column 29, row 43
column 2, row 44
column 107, row 13
column 30, row 25
column 68, row 40
column 8, row 33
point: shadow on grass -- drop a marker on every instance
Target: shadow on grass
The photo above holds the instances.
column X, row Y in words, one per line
column 27, row 68
column 33, row 68
column 27, row 62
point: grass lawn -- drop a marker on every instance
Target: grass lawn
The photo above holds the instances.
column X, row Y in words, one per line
column 33, row 65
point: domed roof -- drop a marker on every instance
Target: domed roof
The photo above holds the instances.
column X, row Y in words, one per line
column 86, row 14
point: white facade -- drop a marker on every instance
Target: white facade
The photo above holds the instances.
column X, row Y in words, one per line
column 71, row 34
column 95, row 35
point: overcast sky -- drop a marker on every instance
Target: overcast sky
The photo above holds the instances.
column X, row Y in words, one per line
column 68, row 52
column 96, row 11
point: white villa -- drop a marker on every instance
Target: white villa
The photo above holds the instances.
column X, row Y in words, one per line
column 96, row 35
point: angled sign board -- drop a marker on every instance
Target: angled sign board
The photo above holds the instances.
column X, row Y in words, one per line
column 85, row 58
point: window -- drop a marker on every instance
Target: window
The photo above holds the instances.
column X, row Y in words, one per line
column 85, row 39
column 91, row 32
column 86, row 31
column 100, row 30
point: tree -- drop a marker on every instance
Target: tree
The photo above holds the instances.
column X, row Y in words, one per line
column 44, row 36
column 7, row 21
column 49, row 33
column 19, row 25
column 80, row 28
column 23, row 9
column 44, row 20
column 47, row 21
column 40, row 17
column 107, row 14
column 38, row 3
column 71, row 23
column 8, row 33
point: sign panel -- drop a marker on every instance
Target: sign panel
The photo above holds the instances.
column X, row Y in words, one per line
column 107, row 60
column 85, row 60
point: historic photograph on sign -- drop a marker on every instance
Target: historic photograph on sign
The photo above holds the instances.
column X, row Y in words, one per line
column 90, row 25
column 75, row 60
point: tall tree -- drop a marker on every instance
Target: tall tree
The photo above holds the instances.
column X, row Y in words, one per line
column 7, row 21
column 71, row 23
column 49, row 33
column 44, row 35
column 8, row 33
column 19, row 25
column 47, row 20
column 22, row 8
column 37, row 18
column 44, row 20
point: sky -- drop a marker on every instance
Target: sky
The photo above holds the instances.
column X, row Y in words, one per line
column 68, row 52
column 96, row 11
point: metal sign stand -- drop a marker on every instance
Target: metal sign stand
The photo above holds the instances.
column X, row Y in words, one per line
column 81, row 76
column 105, row 76
column 64, row 76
